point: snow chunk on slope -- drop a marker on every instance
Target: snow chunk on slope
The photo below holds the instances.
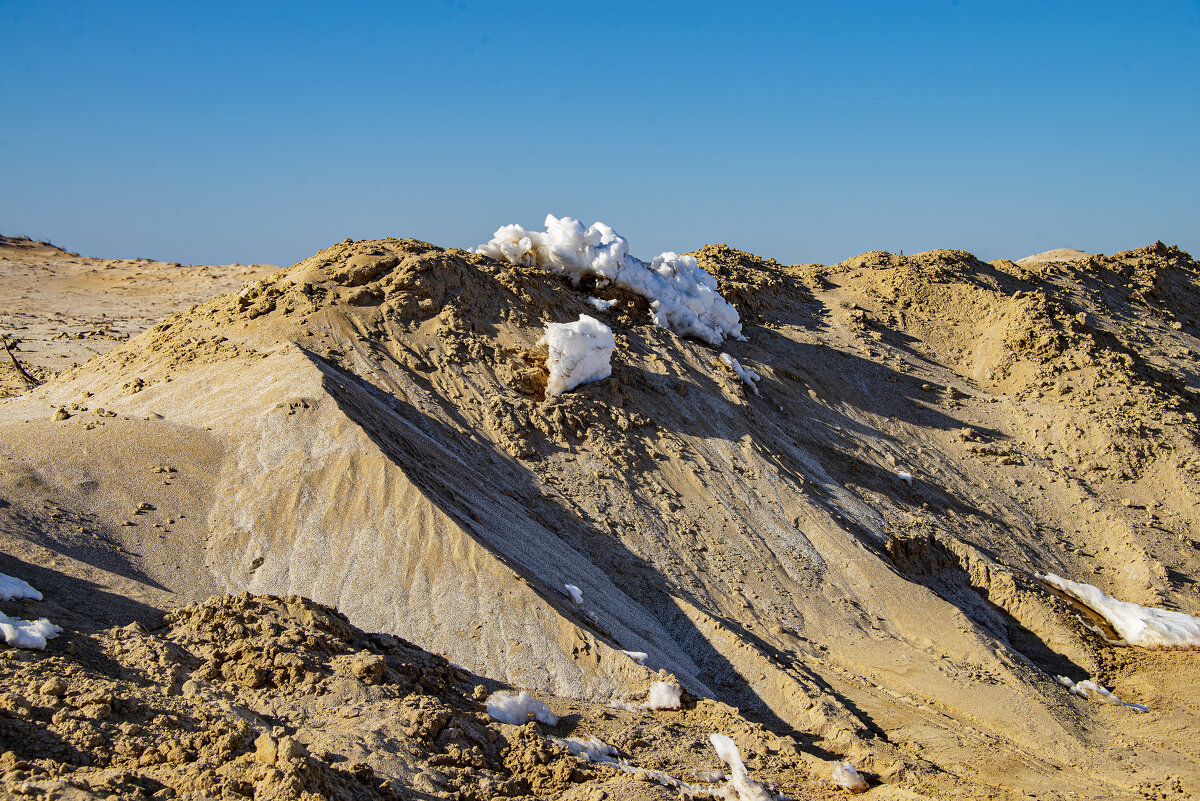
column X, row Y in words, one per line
column 739, row 781
column 1094, row 692
column 748, row 376
column 27, row 633
column 683, row 297
column 518, row 708
column 16, row 589
column 663, row 695
column 846, row 777
column 579, row 353
column 591, row 749
column 1143, row 626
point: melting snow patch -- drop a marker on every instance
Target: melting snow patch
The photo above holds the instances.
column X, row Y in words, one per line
column 27, row 633
column 748, row 376
column 575, row 593
column 683, row 297
column 905, row 476
column 602, row 305
column 518, row 708
column 1143, row 626
column 739, row 781
column 846, row 777
column 579, row 353
column 637, row 656
column 1094, row 692
column 591, row 749
column 15, row 589
column 663, row 695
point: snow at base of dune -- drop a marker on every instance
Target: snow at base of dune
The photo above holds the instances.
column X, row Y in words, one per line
column 1094, row 692
column 1143, row 626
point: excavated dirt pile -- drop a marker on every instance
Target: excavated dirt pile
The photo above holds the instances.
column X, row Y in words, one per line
column 280, row 698
column 841, row 557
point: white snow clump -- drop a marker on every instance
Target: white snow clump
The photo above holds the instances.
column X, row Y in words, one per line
column 1094, row 692
column 1143, row 626
column 24, row 633
column 602, row 305
column 16, row 589
column 846, row 777
column 663, row 695
column 591, row 749
column 637, row 656
column 748, row 376
column 683, row 297
column 579, row 353
column 575, row 593
column 27, row 633
column 739, row 781
column 905, row 476
column 518, row 708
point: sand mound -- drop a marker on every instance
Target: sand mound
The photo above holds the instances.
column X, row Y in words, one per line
column 847, row 557
column 281, row 698
column 1058, row 254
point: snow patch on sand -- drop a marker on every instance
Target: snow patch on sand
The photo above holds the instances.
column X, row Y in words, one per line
column 663, row 695
column 1143, row 626
column 748, row 376
column 27, row 633
column 580, row 352
column 637, row 656
column 683, row 297
column 846, row 777
column 1094, row 692
column 16, row 589
column 739, row 780
column 591, row 749
column 518, row 708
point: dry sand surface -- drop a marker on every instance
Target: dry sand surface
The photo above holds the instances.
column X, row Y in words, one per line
column 369, row 430
column 1058, row 254
column 62, row 309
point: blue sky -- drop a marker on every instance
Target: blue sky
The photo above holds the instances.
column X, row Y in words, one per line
column 220, row 132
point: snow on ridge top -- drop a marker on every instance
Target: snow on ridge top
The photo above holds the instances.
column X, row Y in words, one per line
column 683, row 296
column 1143, row 626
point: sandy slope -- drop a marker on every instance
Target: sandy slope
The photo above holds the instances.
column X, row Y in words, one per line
column 368, row 429
column 63, row 308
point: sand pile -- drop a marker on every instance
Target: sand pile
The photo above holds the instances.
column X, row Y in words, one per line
column 281, row 698
column 844, row 550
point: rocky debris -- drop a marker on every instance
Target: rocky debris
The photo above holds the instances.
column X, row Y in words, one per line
column 274, row 698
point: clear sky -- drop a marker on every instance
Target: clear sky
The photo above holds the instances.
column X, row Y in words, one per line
column 806, row 131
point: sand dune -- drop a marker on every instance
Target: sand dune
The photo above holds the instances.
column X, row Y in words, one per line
column 846, row 559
